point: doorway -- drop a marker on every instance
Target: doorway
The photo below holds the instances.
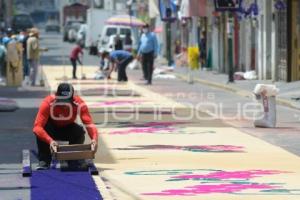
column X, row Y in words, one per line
column 295, row 41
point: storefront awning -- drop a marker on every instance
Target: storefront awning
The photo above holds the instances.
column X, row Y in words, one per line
column 193, row 8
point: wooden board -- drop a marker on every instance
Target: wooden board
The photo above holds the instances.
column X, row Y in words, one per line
column 74, row 152
column 26, row 163
column 74, row 155
column 74, row 147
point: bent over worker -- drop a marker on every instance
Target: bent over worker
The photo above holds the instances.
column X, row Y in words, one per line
column 56, row 121
column 119, row 60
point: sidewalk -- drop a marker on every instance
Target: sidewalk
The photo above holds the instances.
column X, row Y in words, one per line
column 288, row 91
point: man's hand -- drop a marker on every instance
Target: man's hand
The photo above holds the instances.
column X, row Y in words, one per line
column 139, row 58
column 94, row 145
column 53, row 146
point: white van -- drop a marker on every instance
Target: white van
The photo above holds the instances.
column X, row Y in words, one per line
column 111, row 30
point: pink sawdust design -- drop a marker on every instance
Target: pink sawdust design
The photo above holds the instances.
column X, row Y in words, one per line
column 203, row 148
column 151, row 127
column 213, row 188
column 142, row 130
column 210, row 189
column 223, row 175
column 157, row 124
column 119, row 103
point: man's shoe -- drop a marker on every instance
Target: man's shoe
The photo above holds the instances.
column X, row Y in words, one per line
column 77, row 165
column 43, row 165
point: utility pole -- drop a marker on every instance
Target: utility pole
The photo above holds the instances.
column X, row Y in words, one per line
column 129, row 6
column 169, row 33
column 9, row 12
column 169, row 51
column 2, row 13
column 230, row 48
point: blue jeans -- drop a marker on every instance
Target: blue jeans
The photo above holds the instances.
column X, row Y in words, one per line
column 26, row 71
column 33, row 71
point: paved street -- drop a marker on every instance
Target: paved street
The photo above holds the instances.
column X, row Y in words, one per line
column 161, row 143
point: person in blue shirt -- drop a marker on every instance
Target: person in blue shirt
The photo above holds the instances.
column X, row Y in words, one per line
column 147, row 52
column 119, row 60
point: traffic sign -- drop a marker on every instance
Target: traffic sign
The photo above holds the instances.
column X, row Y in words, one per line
column 227, row 5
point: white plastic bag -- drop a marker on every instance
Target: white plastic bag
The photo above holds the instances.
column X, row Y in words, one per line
column 267, row 90
column 267, row 117
column 164, row 76
column 250, row 75
column 99, row 75
column 135, row 64
column 266, row 95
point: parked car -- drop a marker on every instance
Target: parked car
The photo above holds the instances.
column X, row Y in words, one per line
column 52, row 27
column 81, row 34
column 21, row 22
column 110, row 31
column 74, row 25
column 72, row 35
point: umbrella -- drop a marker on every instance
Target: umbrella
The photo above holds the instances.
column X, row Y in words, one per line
column 158, row 29
column 125, row 20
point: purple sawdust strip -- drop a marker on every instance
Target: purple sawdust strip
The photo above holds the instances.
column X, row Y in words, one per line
column 54, row 184
column 26, row 171
column 7, row 101
column 26, row 163
column 92, row 168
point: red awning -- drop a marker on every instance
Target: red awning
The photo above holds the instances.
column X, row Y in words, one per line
column 158, row 29
column 198, row 8
column 193, row 8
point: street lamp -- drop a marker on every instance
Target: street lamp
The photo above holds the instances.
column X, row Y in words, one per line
column 129, row 5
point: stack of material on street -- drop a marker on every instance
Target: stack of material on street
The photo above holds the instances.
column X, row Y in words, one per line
column 101, row 74
column 164, row 73
column 239, row 76
column 266, row 95
column 135, row 64
column 7, row 105
column 249, row 75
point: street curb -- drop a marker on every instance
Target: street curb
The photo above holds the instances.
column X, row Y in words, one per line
column 237, row 91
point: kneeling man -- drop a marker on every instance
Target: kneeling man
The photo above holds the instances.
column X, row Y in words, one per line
column 56, row 121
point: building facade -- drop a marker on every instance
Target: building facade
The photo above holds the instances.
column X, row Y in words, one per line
column 266, row 39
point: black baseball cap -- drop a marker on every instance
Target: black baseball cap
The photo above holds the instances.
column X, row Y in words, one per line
column 64, row 93
column 146, row 25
